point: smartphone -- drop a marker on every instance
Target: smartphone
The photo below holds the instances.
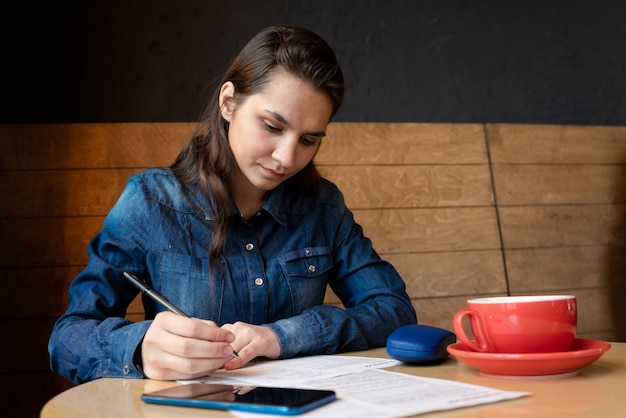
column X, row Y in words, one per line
column 282, row 401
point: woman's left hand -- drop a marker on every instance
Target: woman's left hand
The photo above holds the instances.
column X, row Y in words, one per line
column 251, row 341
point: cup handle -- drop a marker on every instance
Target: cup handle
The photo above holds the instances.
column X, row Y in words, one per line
column 479, row 344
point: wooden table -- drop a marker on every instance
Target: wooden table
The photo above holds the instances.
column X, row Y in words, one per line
column 598, row 390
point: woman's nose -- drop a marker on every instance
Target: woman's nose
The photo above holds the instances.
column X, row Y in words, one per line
column 285, row 151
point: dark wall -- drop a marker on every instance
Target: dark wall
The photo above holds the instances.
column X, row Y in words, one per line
column 561, row 62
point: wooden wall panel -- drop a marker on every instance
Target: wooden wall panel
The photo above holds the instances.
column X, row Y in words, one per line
column 438, row 223
column 439, row 312
column 551, row 269
column 428, row 230
column 136, row 317
column 444, row 274
column 566, row 225
column 42, row 291
column 93, row 145
column 8, row 149
column 403, row 143
column 533, row 184
column 46, row 242
column 556, row 144
column 412, row 186
column 57, row 193
column 560, row 192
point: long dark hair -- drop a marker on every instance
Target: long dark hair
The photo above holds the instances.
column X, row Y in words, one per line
column 206, row 161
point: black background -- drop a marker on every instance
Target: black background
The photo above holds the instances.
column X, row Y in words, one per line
column 560, row 62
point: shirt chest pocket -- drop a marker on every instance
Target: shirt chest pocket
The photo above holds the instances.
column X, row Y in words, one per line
column 307, row 270
column 307, row 262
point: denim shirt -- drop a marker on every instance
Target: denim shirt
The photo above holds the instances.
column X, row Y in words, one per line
column 274, row 271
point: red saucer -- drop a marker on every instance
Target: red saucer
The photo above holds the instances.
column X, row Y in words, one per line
column 582, row 353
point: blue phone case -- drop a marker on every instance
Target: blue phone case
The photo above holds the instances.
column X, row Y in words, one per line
column 269, row 400
column 419, row 344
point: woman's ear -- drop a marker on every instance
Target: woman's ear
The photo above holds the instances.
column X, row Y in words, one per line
column 227, row 100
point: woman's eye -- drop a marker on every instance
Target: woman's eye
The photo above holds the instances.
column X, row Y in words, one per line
column 270, row 128
column 308, row 142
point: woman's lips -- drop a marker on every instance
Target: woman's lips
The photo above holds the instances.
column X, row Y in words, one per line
column 273, row 174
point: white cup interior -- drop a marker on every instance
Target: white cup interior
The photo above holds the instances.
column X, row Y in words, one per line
column 520, row 299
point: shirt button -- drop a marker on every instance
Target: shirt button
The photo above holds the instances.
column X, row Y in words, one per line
column 249, row 246
column 307, row 251
column 312, row 268
column 126, row 369
column 258, row 281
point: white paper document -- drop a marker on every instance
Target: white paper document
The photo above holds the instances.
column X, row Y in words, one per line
column 296, row 371
column 363, row 390
column 381, row 393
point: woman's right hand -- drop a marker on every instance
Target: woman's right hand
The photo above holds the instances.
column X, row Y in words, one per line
column 176, row 347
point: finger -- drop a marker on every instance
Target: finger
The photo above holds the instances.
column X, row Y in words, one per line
column 185, row 337
column 193, row 328
column 196, row 367
column 196, row 348
column 171, row 367
column 208, row 322
column 234, row 363
column 246, row 354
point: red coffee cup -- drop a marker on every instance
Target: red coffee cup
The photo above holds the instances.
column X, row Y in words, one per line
column 519, row 324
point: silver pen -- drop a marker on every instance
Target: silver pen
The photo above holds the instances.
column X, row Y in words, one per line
column 160, row 299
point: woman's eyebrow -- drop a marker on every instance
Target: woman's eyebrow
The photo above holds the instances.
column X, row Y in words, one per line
column 282, row 120
column 277, row 116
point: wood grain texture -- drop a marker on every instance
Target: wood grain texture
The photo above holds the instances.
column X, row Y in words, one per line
column 560, row 192
column 403, row 143
column 92, row 145
column 556, row 144
column 444, row 274
column 564, row 225
column 412, row 186
column 427, row 230
column 438, row 312
column 57, row 193
column 552, row 269
column 533, row 184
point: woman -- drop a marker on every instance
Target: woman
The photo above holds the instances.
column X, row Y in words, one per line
column 241, row 233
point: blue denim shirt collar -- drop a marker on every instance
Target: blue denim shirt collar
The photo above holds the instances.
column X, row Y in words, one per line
column 274, row 205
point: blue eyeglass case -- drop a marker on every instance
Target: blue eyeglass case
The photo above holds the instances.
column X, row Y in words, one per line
column 419, row 344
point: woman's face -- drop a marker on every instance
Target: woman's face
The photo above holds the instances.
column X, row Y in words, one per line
column 275, row 133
